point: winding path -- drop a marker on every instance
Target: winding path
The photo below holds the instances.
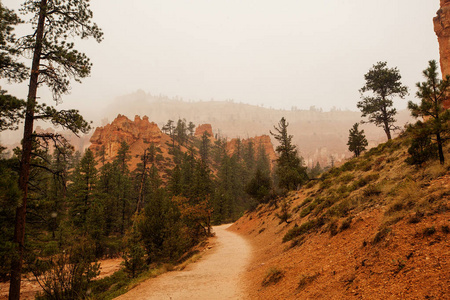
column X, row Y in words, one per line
column 216, row 276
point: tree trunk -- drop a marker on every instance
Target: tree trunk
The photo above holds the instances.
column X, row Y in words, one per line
column 27, row 143
column 387, row 130
column 439, row 143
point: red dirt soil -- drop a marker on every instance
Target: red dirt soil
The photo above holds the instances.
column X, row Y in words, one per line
column 407, row 264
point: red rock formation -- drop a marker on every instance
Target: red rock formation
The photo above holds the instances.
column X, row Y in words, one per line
column 442, row 29
column 202, row 128
column 138, row 134
column 257, row 141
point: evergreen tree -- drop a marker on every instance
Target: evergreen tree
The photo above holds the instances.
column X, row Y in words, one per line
column 11, row 111
column 433, row 92
column 382, row 84
column 134, row 253
column 357, row 141
column 205, row 148
column 161, row 229
column 259, row 186
column 122, row 189
column 9, row 199
column 191, row 129
column 142, row 173
column 290, row 170
column 10, row 68
column 315, row 171
column 54, row 62
column 82, row 190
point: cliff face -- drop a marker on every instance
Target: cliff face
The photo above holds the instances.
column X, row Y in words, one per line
column 442, row 29
column 138, row 134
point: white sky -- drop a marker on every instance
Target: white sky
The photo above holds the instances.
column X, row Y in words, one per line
column 277, row 53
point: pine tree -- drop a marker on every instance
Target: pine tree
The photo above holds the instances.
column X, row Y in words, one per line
column 82, row 190
column 122, row 190
column 433, row 92
column 9, row 199
column 205, row 147
column 54, row 62
column 383, row 84
column 10, row 68
column 290, row 170
column 357, row 141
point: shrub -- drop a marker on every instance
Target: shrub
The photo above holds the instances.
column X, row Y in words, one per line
column 307, row 210
column 306, row 280
column 381, row 235
column 349, row 166
column 284, row 214
column 372, row 190
column 302, row 229
column 416, row 218
column 333, row 228
column 346, row 223
column 67, row 275
column 429, row 231
column 273, row 276
column 346, row 178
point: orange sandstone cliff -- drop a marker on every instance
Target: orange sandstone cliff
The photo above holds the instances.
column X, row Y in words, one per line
column 140, row 133
column 442, row 30
column 201, row 129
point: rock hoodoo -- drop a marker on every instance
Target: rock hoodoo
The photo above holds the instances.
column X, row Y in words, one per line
column 138, row 134
column 442, row 29
column 202, row 129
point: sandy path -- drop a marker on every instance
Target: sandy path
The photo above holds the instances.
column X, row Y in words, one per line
column 215, row 276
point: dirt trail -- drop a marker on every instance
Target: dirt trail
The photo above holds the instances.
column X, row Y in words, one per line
column 216, row 276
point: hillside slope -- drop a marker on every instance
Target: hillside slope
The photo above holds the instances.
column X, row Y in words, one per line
column 374, row 228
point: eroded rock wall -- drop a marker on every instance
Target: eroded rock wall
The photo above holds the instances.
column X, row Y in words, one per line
column 442, row 30
column 138, row 134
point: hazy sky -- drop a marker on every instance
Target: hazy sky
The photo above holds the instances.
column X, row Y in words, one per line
column 276, row 53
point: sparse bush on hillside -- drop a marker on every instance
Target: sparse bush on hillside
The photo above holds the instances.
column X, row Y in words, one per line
column 346, row 223
column 349, row 166
column 303, row 229
column 381, row 235
column 307, row 210
column 273, row 276
column 347, row 177
column 284, row 214
column 429, row 231
column 305, row 280
column 372, row 190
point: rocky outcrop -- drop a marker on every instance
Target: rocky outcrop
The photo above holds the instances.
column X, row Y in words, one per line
column 138, row 134
column 442, row 29
column 202, row 129
column 258, row 141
